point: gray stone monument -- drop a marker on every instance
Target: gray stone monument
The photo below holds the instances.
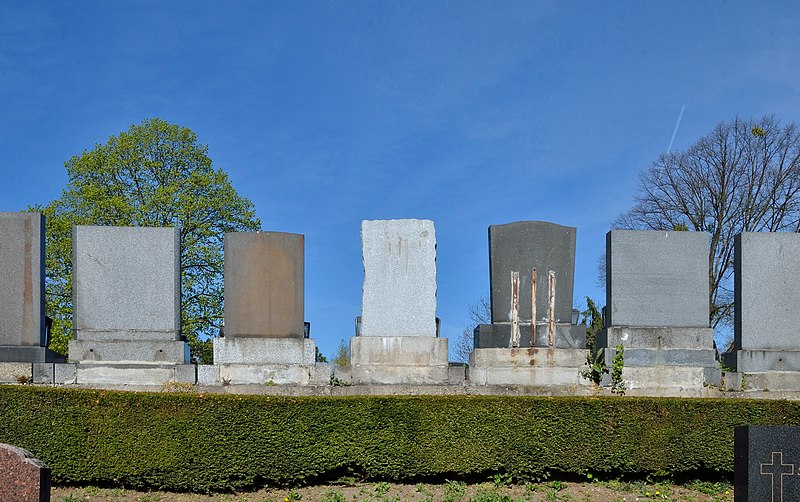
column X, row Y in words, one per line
column 126, row 305
column 398, row 341
column 657, row 308
column 23, row 336
column 534, row 338
column 766, row 347
column 264, row 301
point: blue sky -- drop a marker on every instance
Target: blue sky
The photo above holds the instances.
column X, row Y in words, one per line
column 328, row 113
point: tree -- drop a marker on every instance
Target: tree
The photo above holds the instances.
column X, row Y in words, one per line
column 155, row 174
column 479, row 312
column 342, row 357
column 744, row 176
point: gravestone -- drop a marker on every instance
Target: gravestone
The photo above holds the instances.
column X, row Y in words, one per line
column 22, row 477
column 398, row 342
column 264, row 307
column 23, row 336
column 126, row 304
column 766, row 463
column 657, row 308
column 766, row 345
column 519, row 254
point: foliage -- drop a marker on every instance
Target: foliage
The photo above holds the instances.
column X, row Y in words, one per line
column 595, row 359
column 155, row 174
column 479, row 312
column 617, row 364
column 342, row 357
column 318, row 357
column 744, row 176
column 225, row 442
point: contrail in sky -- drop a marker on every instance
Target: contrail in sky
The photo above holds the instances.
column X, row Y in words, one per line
column 675, row 131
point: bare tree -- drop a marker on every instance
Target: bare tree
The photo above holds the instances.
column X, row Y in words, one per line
column 479, row 312
column 744, row 176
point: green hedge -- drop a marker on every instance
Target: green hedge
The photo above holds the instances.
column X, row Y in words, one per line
column 192, row 442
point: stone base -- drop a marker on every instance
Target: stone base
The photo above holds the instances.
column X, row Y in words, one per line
column 269, row 351
column 534, row 366
column 17, row 353
column 16, row 372
column 642, row 357
column 130, row 374
column 128, row 352
column 568, row 336
column 767, row 381
column 267, row 374
column 678, row 379
column 416, row 360
column 759, row 361
column 656, row 337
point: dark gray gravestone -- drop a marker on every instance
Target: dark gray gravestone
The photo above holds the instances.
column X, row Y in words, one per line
column 766, row 461
column 520, row 247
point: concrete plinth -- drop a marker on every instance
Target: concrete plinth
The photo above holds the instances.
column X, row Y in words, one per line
column 398, row 360
column 134, row 374
column 269, row 374
column 18, row 353
column 676, row 379
column 253, row 351
column 527, row 366
column 758, row 361
column 16, row 372
column 129, row 351
column 770, row 381
column 656, row 337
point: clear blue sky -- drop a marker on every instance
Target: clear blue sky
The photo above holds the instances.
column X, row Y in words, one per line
column 327, row 113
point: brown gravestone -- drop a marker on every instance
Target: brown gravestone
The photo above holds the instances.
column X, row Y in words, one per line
column 22, row 477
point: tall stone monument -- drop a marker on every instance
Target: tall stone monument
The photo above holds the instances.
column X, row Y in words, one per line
column 398, row 342
column 766, row 343
column 264, row 306
column 23, row 336
column 127, row 306
column 534, row 338
column 657, row 308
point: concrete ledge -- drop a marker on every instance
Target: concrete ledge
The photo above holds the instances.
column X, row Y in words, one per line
column 659, row 378
column 768, row 381
column 253, row 351
column 129, row 352
column 398, row 351
column 133, row 374
column 371, row 374
column 656, row 337
column 277, row 374
column 527, row 358
column 758, row 361
column 637, row 357
column 43, row 373
column 16, row 372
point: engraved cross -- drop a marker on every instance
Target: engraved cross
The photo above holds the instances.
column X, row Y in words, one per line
column 775, row 468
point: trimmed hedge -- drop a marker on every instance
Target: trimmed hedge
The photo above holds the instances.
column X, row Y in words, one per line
column 194, row 442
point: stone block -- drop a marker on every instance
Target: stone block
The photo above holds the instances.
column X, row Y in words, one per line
column 521, row 246
column 65, row 373
column 22, row 269
column 126, row 283
column 657, row 279
column 399, row 292
column 264, row 276
column 664, row 357
column 268, row 374
column 16, row 372
column 208, row 374
column 398, row 351
column 766, row 462
column 43, row 373
column 22, row 477
column 753, row 361
column 17, row 353
column 457, row 374
column 654, row 378
column 772, row 381
column 535, row 367
column 185, row 373
column 125, row 374
column 372, row 374
column 767, row 291
column 322, row 373
column 499, row 335
column 656, row 338
column 264, row 351
column 129, row 351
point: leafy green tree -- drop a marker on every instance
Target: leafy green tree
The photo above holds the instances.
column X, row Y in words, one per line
column 155, row 175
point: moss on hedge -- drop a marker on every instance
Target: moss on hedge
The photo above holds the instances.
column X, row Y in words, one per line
column 192, row 442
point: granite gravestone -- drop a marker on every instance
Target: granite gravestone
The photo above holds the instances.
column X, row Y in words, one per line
column 22, row 321
column 22, row 477
column 766, row 463
column 399, row 293
column 126, row 295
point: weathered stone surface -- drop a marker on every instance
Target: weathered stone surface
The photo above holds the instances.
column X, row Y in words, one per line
column 398, row 360
column 673, row 378
column 22, row 272
column 264, row 276
column 129, row 351
column 208, row 374
column 133, row 374
column 499, row 335
column 264, row 351
column 126, row 283
column 399, row 293
column 43, row 373
column 22, row 477
column 656, row 338
column 16, row 372
column 65, row 373
column 766, row 463
column 750, row 361
column 527, row 366
column 767, row 291
column 16, row 353
column 520, row 247
column 663, row 357
column 657, row 278
column 270, row 374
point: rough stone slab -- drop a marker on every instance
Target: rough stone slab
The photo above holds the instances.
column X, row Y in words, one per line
column 398, row 351
column 676, row 378
column 125, row 352
column 521, row 246
column 43, row 373
column 186, row 373
column 657, row 279
column 13, row 353
column 536, row 377
column 664, row 357
column 264, row 277
column 498, row 335
column 753, row 361
column 656, row 338
column 16, row 372
column 65, row 373
column 208, row 374
column 767, row 291
column 22, row 271
column 279, row 374
column 457, row 374
column 399, row 292
column 322, row 374
column 767, row 381
column 374, row 374
column 22, row 477
column 126, row 283
column 527, row 358
column 125, row 374
column 264, row 351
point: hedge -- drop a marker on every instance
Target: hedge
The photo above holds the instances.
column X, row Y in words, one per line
column 195, row 442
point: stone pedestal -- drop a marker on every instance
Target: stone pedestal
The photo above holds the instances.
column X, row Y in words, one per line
column 263, row 360
column 533, row 366
column 498, row 335
column 415, row 360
